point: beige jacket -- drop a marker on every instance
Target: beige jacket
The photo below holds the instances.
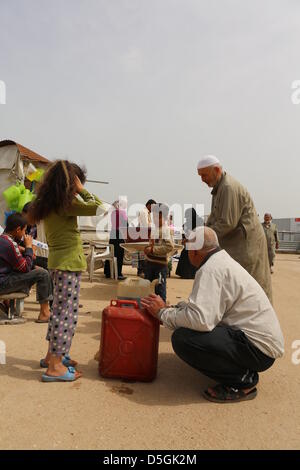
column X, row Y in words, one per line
column 234, row 219
column 271, row 235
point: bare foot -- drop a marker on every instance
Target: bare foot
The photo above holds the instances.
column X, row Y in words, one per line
column 71, row 362
column 61, row 370
column 43, row 318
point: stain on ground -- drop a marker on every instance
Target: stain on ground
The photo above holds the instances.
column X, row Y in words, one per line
column 76, row 385
column 122, row 389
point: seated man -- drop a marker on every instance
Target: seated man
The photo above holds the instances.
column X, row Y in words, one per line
column 228, row 329
column 16, row 273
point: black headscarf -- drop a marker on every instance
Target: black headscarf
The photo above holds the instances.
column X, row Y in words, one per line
column 192, row 220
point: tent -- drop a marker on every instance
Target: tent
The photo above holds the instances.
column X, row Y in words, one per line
column 14, row 159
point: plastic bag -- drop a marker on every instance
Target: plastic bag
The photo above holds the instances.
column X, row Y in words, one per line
column 12, row 196
column 33, row 173
column 36, row 175
column 16, row 196
column 25, row 197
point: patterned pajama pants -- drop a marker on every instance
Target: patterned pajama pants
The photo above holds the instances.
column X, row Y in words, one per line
column 64, row 316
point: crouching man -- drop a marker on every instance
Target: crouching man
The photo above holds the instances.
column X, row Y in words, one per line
column 228, row 329
column 16, row 273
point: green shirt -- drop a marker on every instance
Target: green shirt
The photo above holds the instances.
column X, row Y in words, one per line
column 63, row 234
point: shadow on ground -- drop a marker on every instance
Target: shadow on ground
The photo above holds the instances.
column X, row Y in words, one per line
column 101, row 290
column 21, row 369
column 176, row 384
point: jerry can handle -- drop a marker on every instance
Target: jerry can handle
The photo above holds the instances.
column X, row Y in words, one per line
column 125, row 303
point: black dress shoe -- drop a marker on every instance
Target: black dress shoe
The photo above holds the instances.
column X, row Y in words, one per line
column 121, row 278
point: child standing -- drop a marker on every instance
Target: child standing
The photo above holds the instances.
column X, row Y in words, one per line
column 60, row 199
column 160, row 248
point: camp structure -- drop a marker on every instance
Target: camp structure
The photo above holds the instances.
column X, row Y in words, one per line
column 14, row 160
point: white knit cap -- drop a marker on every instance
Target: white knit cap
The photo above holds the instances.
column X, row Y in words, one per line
column 206, row 161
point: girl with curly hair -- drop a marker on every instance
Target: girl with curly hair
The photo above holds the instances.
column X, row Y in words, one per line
column 61, row 197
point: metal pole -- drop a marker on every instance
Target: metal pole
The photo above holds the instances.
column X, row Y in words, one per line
column 100, row 182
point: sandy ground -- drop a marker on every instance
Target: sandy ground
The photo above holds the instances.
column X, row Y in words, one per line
column 95, row 413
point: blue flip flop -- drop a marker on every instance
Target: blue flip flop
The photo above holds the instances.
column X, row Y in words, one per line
column 69, row 376
column 66, row 362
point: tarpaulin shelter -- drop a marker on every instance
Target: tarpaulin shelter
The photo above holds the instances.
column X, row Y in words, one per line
column 14, row 160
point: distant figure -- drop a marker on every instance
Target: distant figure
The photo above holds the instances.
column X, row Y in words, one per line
column 144, row 222
column 172, row 231
column 234, row 218
column 40, row 258
column 184, row 268
column 31, row 229
column 144, row 218
column 118, row 235
column 37, row 232
column 159, row 250
column 272, row 239
column 227, row 329
column 171, row 224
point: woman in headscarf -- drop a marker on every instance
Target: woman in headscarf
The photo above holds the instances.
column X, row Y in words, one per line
column 184, row 268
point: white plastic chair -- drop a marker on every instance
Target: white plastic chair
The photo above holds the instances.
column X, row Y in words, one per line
column 108, row 254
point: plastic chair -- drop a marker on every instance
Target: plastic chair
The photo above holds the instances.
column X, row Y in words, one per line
column 108, row 254
column 16, row 307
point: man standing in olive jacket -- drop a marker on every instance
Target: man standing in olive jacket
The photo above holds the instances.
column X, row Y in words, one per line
column 271, row 233
column 234, row 218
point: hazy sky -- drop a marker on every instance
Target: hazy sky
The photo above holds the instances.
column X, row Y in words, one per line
column 139, row 90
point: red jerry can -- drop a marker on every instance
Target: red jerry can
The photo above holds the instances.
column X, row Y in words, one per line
column 129, row 342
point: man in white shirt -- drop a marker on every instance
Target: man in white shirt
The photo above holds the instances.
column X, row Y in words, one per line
column 228, row 329
column 145, row 222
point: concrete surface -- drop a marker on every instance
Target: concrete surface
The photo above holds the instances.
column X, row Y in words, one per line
column 95, row 413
